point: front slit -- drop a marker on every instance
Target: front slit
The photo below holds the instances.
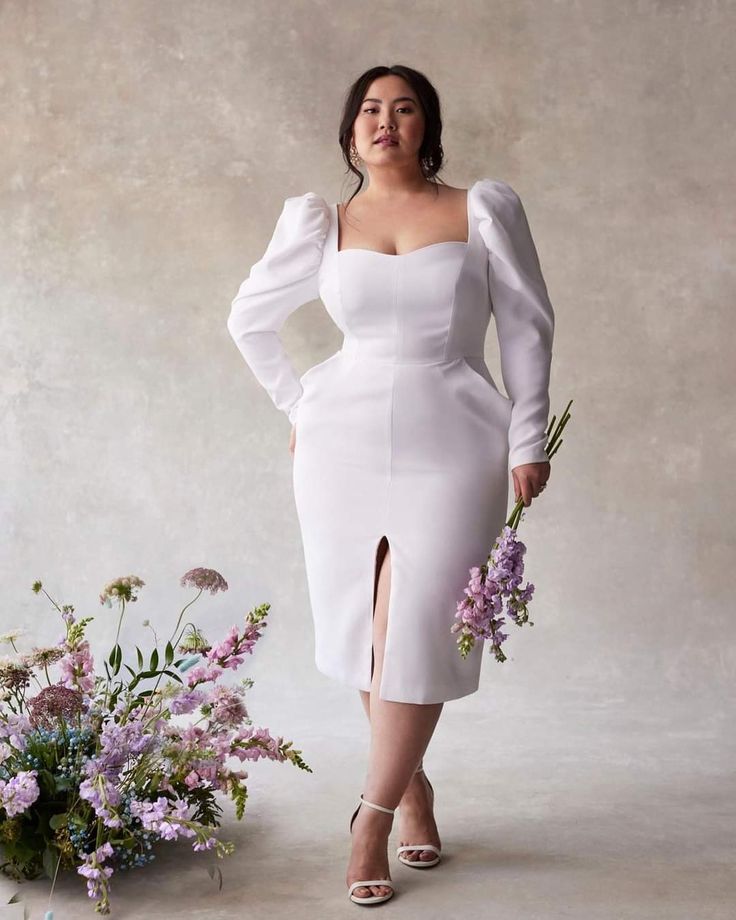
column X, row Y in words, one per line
column 380, row 556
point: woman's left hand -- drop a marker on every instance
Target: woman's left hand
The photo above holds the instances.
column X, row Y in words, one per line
column 530, row 479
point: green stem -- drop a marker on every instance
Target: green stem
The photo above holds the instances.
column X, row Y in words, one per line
column 173, row 634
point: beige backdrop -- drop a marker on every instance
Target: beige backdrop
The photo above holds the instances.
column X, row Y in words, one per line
column 146, row 151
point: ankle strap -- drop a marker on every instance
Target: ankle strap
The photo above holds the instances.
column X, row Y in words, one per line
column 389, row 811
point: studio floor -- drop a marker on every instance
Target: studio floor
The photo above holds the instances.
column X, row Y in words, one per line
column 611, row 809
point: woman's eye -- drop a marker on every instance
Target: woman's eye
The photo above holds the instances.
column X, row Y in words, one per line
column 402, row 109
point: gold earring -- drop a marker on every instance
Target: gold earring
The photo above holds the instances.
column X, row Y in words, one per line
column 354, row 155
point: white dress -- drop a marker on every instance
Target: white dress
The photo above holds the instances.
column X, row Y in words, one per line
column 402, row 432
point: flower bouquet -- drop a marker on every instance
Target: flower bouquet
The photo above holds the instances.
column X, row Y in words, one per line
column 497, row 582
column 95, row 769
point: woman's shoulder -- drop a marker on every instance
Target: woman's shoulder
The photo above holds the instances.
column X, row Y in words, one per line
column 307, row 206
column 491, row 196
column 304, row 217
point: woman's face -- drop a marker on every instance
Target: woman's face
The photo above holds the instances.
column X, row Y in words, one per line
column 389, row 107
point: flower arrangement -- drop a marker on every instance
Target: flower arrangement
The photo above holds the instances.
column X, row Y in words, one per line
column 94, row 769
column 494, row 588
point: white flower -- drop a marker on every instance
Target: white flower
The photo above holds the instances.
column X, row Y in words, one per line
column 13, row 635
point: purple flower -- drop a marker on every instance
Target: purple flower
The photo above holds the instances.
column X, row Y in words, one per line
column 208, row 844
column 491, row 588
column 205, row 580
column 186, row 701
column 19, row 792
column 167, row 819
column 228, row 707
column 15, row 726
column 97, row 874
column 53, row 703
column 78, row 667
column 253, row 743
column 203, row 674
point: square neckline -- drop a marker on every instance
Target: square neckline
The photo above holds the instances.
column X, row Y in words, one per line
column 401, row 255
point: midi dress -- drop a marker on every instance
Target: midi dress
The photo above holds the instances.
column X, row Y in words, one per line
column 402, row 432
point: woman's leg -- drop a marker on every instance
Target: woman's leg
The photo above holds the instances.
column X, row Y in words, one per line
column 400, row 733
column 416, row 809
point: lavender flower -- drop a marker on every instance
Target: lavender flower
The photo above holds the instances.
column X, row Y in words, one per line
column 490, row 587
column 19, row 792
column 78, row 667
column 186, row 701
column 167, row 819
column 228, row 707
column 126, row 771
column 15, row 727
column 499, row 579
column 97, row 875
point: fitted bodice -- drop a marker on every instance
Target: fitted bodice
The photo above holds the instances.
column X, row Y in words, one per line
column 431, row 306
column 404, row 308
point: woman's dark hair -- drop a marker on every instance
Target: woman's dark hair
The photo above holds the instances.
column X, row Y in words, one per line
column 431, row 154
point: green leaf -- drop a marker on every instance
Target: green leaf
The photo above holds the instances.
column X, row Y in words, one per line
column 169, row 653
column 139, row 653
column 128, row 843
column 49, row 862
column 57, row 821
column 46, row 780
column 154, row 660
column 144, row 674
column 215, row 870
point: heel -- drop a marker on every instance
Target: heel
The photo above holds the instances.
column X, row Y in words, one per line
column 420, row 863
column 384, row 882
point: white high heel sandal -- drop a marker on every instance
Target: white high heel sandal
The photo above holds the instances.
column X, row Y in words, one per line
column 420, row 863
column 376, row 898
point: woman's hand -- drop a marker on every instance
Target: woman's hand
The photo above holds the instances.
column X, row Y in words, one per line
column 530, row 479
column 292, row 438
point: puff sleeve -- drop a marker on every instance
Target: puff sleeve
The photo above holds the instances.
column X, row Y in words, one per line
column 524, row 317
column 283, row 279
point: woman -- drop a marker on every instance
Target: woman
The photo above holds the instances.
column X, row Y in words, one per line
column 401, row 441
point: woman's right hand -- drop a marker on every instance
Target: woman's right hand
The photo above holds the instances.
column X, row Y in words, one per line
column 292, row 439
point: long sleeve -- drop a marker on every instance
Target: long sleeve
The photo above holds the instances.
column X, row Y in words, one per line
column 524, row 317
column 281, row 281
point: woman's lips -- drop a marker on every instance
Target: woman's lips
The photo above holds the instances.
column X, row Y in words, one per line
column 388, row 142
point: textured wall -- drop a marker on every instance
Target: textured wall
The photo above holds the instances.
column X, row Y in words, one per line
column 146, row 151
